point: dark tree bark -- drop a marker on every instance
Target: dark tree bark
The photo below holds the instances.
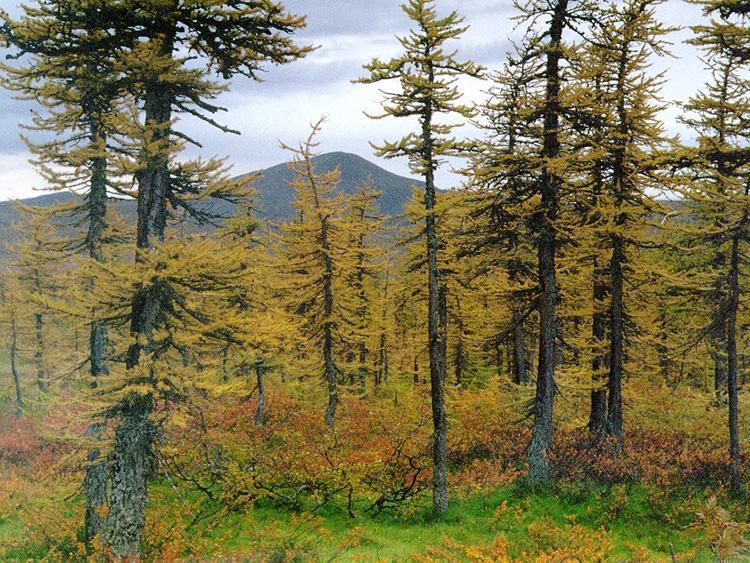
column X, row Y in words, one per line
column 14, row 364
column 260, row 377
column 381, row 377
column 97, row 470
column 132, row 455
column 616, row 354
column 329, row 365
column 734, row 433
column 541, row 438
column 617, row 261
column 435, row 325
column 41, row 371
column 598, row 414
column 731, row 334
column 415, row 366
column 520, row 373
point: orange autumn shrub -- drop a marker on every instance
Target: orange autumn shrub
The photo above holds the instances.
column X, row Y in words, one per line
column 377, row 454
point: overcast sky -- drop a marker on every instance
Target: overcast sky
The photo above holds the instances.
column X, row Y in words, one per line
column 349, row 33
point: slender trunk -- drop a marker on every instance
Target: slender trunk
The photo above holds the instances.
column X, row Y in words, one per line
column 734, row 435
column 14, row 362
column 731, row 334
column 133, row 447
column 662, row 348
column 415, row 366
column 97, row 470
column 598, row 414
column 363, row 306
column 616, row 354
column 382, row 376
column 41, row 372
column 435, row 327
column 520, row 373
column 541, row 437
column 621, row 185
column 382, row 373
column 329, row 366
column 260, row 373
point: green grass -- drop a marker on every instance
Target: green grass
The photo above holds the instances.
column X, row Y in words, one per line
column 629, row 517
column 471, row 520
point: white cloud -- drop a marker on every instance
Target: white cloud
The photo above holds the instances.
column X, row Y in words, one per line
column 350, row 33
column 17, row 177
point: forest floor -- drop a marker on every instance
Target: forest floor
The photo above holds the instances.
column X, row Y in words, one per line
column 655, row 510
column 574, row 522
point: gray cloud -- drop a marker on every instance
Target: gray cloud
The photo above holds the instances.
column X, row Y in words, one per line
column 350, row 33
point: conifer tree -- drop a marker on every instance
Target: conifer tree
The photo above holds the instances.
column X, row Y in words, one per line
column 72, row 76
column 502, row 176
column 628, row 99
column 384, row 324
column 149, row 40
column 315, row 255
column 9, row 307
column 426, row 74
column 362, row 220
column 720, row 193
column 37, row 261
column 546, row 53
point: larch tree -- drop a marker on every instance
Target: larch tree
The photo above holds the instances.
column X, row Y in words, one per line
column 546, row 51
column 720, row 192
column 66, row 66
column 502, row 177
column 363, row 222
column 10, row 307
column 314, row 253
column 153, row 42
column 37, row 265
column 624, row 177
column 427, row 75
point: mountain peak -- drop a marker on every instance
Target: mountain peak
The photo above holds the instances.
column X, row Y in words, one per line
column 275, row 197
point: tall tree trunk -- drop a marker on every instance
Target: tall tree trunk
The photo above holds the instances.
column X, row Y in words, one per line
column 731, row 334
column 734, row 435
column 415, row 365
column 616, row 354
column 621, row 184
column 39, row 361
column 520, row 373
column 541, row 437
column 260, row 375
column 133, row 448
column 435, row 325
column 13, row 363
column 383, row 368
column 598, row 414
column 97, row 470
column 329, row 365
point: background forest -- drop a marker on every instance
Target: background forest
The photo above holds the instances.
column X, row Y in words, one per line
column 326, row 361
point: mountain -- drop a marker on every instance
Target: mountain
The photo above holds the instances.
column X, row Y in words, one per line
column 275, row 197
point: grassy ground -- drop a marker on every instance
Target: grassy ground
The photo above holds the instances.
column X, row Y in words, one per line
column 532, row 522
